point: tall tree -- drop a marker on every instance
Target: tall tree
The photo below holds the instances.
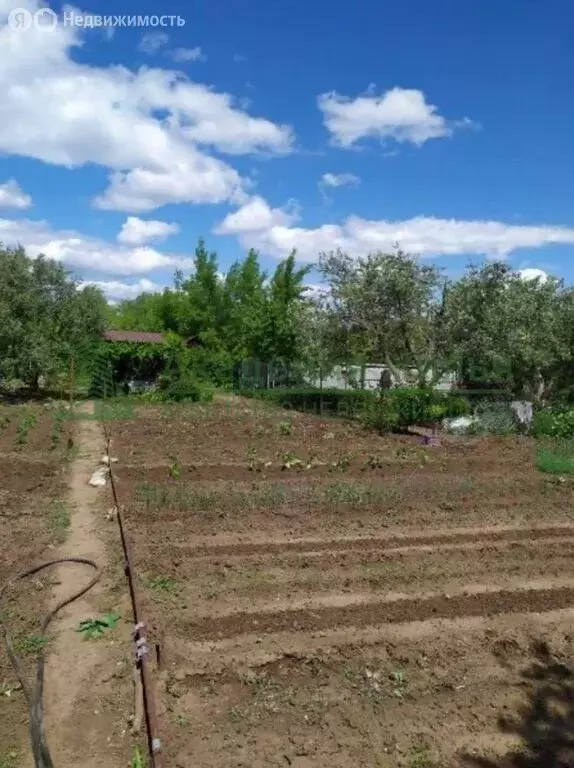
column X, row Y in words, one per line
column 393, row 305
column 506, row 329
column 45, row 317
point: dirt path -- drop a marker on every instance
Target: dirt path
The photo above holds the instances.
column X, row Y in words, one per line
column 81, row 725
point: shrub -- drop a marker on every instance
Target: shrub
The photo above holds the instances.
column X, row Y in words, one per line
column 553, row 423
column 380, row 413
column 380, row 410
column 493, row 419
column 340, row 402
column 185, row 388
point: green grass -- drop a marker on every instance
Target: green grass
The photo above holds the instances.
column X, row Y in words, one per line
column 184, row 498
column 419, row 757
column 59, row 518
column 163, row 584
column 28, row 645
column 9, row 759
column 558, row 460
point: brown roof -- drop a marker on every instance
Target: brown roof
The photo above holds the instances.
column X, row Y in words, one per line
column 139, row 336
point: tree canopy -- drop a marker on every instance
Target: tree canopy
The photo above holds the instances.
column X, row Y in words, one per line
column 45, row 317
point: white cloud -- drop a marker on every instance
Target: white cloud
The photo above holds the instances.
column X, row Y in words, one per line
column 151, row 128
column 422, row 235
column 138, row 231
column 255, row 215
column 339, row 179
column 12, row 196
column 115, row 290
column 151, row 42
column 83, row 252
column 533, row 273
column 400, row 114
column 187, row 54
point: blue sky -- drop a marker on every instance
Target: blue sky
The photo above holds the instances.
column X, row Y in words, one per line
column 445, row 126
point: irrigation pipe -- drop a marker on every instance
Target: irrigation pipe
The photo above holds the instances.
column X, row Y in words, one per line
column 35, row 694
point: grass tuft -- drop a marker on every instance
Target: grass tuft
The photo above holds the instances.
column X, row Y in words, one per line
column 556, row 461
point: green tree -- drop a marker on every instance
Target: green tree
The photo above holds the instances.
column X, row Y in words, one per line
column 392, row 306
column 46, row 319
column 508, row 330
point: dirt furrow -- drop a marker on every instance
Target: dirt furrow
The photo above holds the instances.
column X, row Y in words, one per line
column 402, row 610
column 404, row 542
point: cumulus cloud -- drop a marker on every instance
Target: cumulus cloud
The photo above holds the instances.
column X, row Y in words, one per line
column 255, row 216
column 422, row 235
column 339, row 180
column 138, row 231
column 152, row 128
column 400, row 114
column 82, row 252
column 115, row 290
column 12, row 196
column 532, row 273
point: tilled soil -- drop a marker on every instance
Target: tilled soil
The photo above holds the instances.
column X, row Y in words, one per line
column 386, row 611
column 32, row 519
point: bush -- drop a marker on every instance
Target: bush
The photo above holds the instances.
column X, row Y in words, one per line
column 494, row 419
column 380, row 413
column 184, row 389
column 380, row 410
column 339, row 402
column 416, row 406
column 553, row 422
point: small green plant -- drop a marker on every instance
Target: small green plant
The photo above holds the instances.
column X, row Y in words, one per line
column 24, row 427
column 399, row 681
column 254, row 462
column 174, row 469
column 4, row 422
column 419, row 757
column 374, row 462
column 341, row 463
column 93, row 629
column 285, row 428
column 138, row 758
column 57, row 429
column 163, row 584
column 290, row 460
column 28, row 645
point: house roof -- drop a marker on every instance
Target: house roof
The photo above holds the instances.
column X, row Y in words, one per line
column 144, row 337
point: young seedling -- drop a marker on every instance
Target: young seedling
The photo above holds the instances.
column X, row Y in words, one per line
column 399, row 679
column 174, row 469
column 341, row 463
column 289, row 460
column 285, row 428
column 138, row 759
column 93, row 629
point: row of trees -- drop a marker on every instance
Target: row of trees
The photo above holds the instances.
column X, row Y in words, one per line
column 490, row 326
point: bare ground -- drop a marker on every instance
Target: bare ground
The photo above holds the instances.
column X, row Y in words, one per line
column 396, row 606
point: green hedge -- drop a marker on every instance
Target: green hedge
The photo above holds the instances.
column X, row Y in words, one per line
column 393, row 408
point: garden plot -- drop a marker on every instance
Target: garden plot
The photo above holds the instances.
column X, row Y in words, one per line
column 35, row 444
column 327, row 597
